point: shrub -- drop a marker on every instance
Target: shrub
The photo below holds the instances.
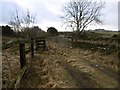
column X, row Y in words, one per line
column 51, row 31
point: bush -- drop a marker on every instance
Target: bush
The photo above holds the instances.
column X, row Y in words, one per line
column 52, row 31
column 7, row 31
column 89, row 35
column 116, row 37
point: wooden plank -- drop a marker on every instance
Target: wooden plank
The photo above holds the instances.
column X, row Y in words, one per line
column 40, row 43
column 20, row 76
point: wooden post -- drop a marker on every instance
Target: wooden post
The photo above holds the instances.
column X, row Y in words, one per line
column 40, row 43
column 22, row 55
column 32, row 48
column 44, row 45
column 36, row 42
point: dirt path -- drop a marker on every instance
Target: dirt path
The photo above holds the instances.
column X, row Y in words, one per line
column 66, row 67
column 77, row 70
column 63, row 67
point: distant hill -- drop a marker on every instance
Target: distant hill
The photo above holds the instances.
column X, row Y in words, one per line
column 100, row 30
column 103, row 30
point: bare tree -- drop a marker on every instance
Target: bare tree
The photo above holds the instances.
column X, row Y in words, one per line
column 28, row 19
column 16, row 20
column 22, row 22
column 78, row 14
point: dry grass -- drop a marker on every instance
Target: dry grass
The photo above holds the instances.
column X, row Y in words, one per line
column 63, row 67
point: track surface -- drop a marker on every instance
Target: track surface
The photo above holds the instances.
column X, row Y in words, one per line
column 66, row 67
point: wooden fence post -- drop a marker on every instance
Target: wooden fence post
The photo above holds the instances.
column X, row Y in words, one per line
column 32, row 48
column 44, row 45
column 22, row 54
column 36, row 42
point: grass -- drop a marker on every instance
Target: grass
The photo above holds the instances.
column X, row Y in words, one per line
column 110, row 32
column 6, row 38
column 36, row 65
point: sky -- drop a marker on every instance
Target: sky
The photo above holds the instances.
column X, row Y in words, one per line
column 48, row 13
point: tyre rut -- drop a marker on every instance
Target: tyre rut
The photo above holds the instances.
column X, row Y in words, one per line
column 82, row 79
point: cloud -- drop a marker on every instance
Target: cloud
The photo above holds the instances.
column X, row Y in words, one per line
column 6, row 11
column 48, row 12
column 110, row 14
column 119, row 15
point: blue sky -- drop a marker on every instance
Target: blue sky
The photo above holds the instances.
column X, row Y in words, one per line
column 48, row 13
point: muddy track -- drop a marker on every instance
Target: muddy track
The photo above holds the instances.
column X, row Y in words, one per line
column 109, row 72
column 83, row 80
column 58, row 59
column 106, row 70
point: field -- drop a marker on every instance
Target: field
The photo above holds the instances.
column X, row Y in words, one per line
column 64, row 64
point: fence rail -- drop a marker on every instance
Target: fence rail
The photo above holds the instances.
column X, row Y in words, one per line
column 25, row 46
